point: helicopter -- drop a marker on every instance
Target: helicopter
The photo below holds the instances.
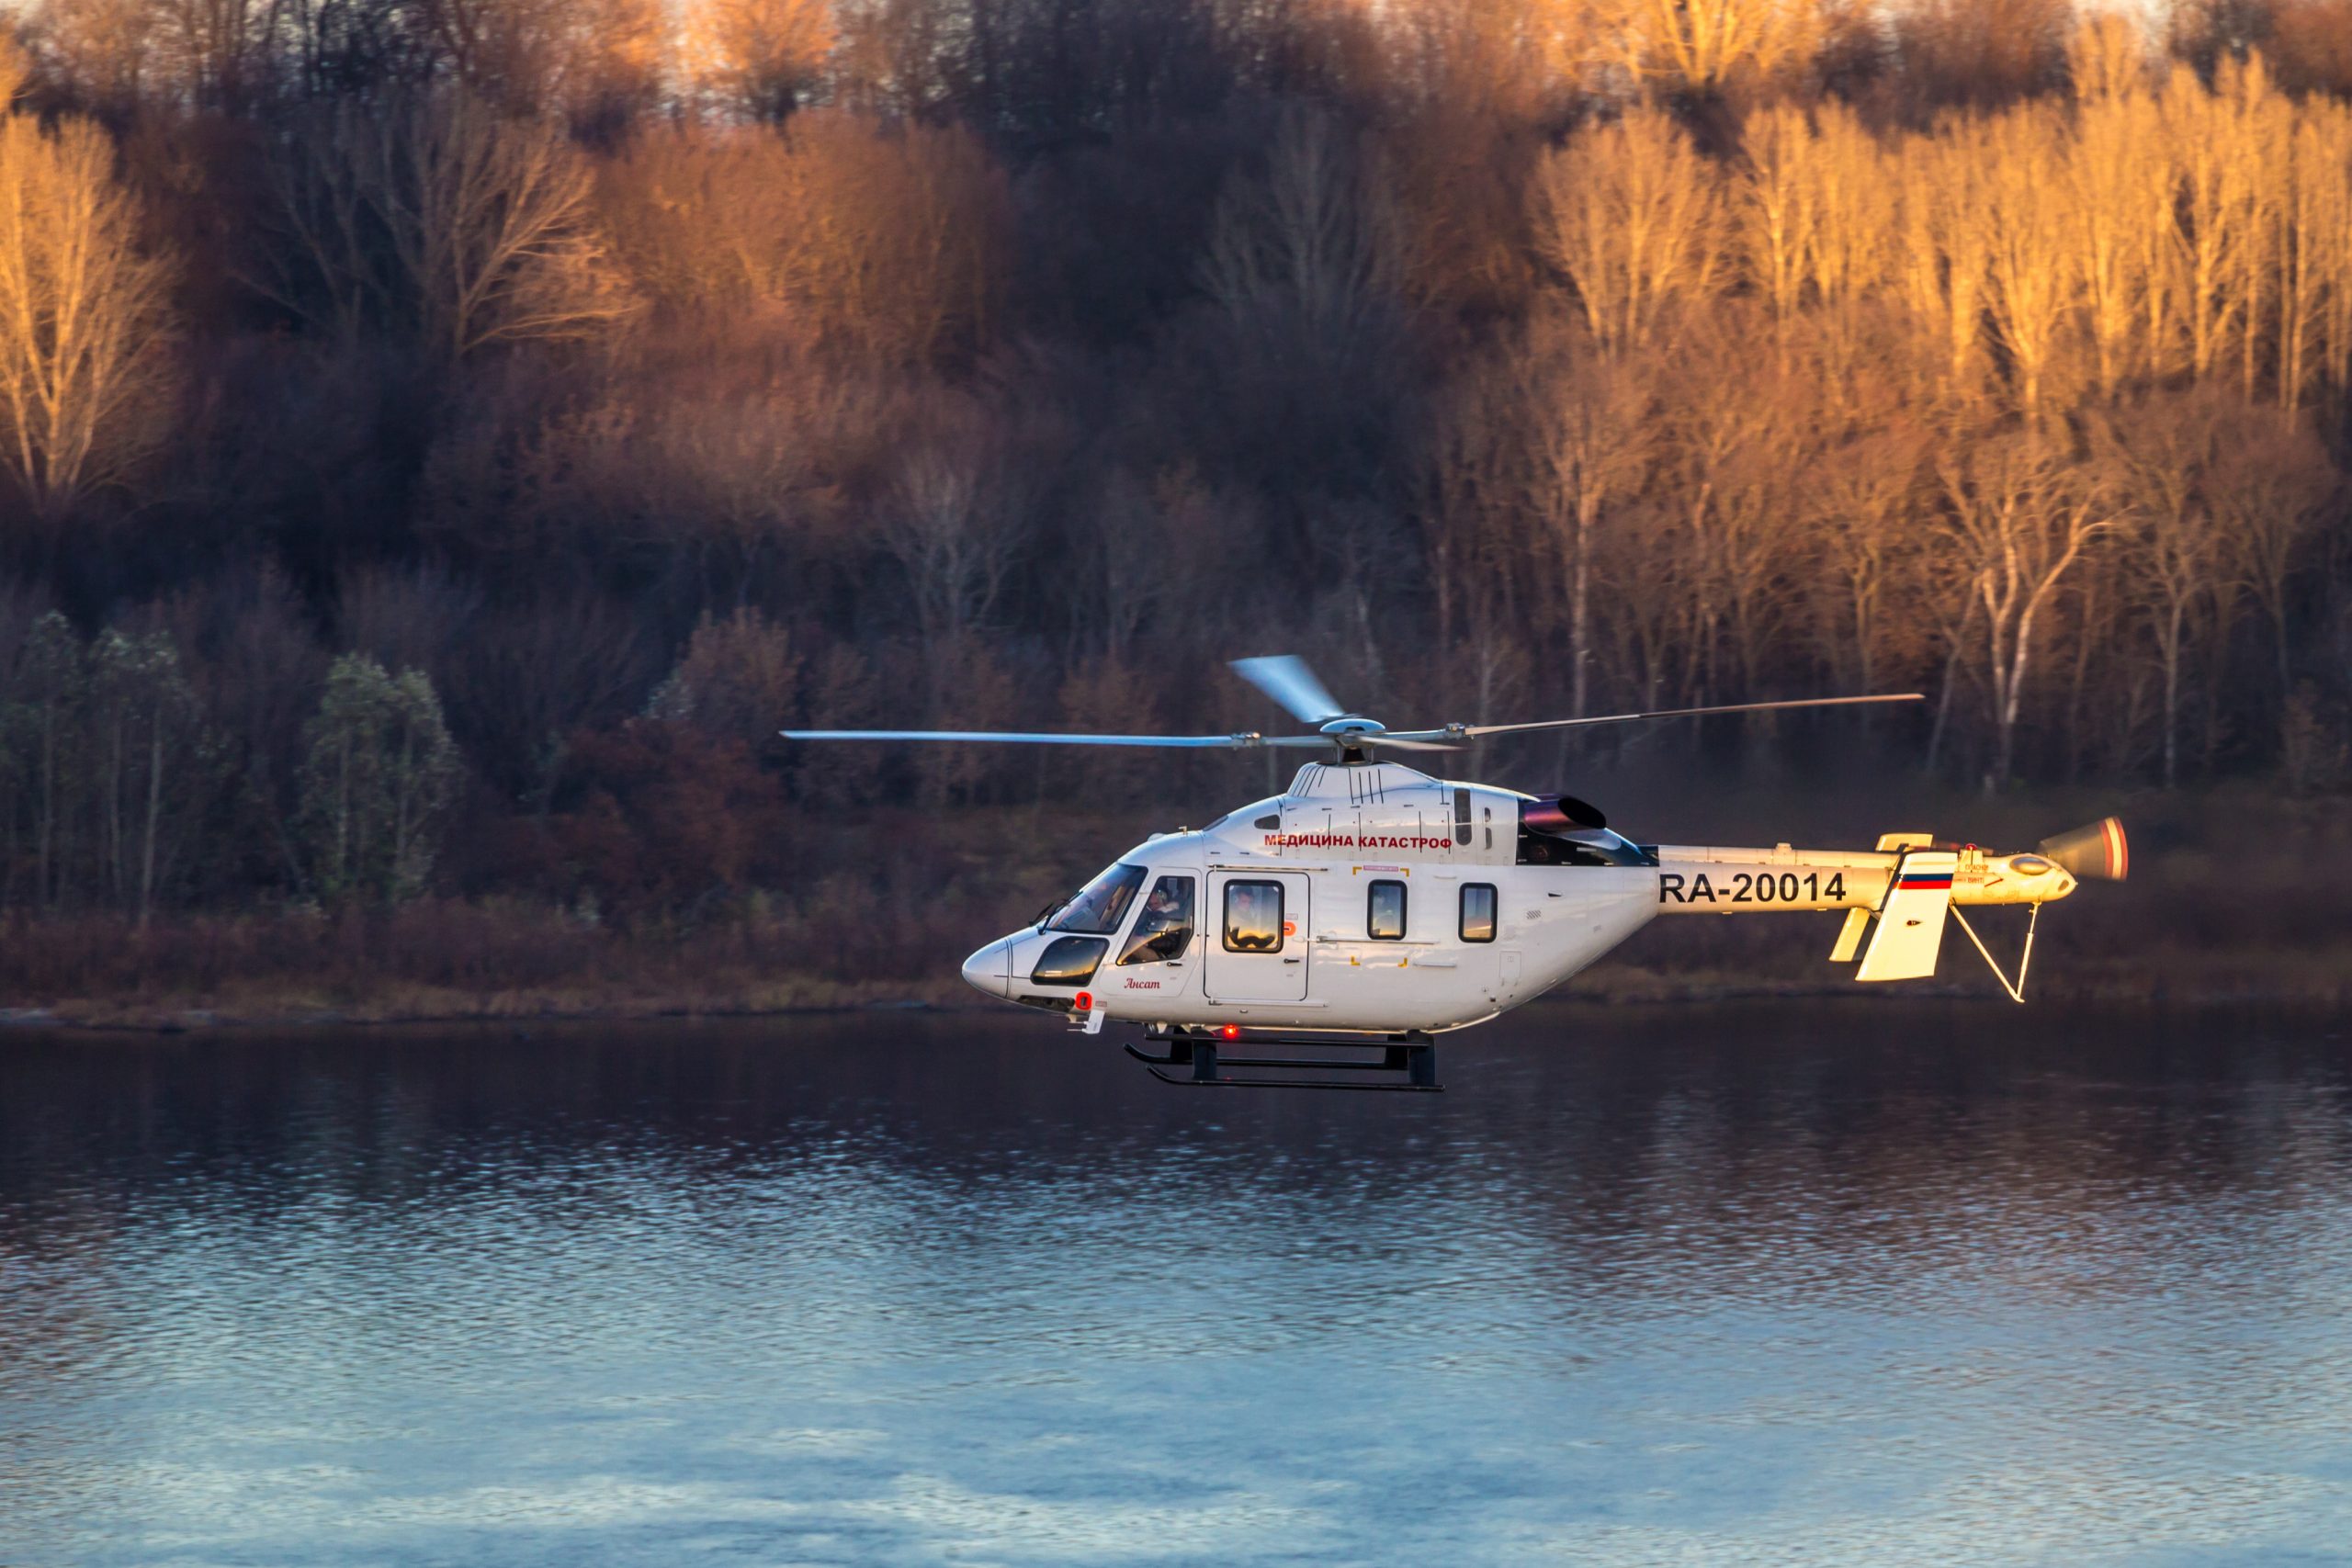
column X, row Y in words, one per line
column 1372, row 905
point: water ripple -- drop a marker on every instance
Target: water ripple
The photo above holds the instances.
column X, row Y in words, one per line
column 1746, row 1286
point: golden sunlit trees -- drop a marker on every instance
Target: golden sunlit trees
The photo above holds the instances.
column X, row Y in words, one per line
column 1629, row 213
column 442, row 222
column 1945, row 248
column 82, row 316
column 755, row 59
column 2118, row 195
column 2218, row 235
column 1778, row 207
column 2315, row 255
column 1705, row 48
column 2032, row 288
column 1812, row 207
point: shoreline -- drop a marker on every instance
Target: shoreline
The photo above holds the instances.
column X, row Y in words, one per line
column 1614, row 986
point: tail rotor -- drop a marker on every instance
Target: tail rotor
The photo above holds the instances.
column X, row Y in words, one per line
column 2095, row 853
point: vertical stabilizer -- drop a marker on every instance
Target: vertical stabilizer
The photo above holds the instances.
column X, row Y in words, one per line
column 1911, row 922
column 1850, row 936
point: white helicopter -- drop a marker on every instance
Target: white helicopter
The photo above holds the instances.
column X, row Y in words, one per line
column 1372, row 905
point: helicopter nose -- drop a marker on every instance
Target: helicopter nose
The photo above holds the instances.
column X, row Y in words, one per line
column 989, row 969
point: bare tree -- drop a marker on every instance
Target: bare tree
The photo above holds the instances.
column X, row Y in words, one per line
column 2118, row 197
column 1979, row 52
column 217, row 54
column 2017, row 518
column 83, row 315
column 1315, row 238
column 1627, row 213
column 954, row 519
column 1946, row 247
column 2315, row 255
column 2216, row 141
column 2031, row 291
column 1779, row 216
column 1859, row 513
column 443, row 221
column 102, row 50
column 1704, row 46
column 2270, row 487
column 756, row 59
column 1590, row 435
column 2154, row 462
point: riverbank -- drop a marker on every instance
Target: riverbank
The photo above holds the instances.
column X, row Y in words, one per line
column 1669, row 964
column 2236, row 896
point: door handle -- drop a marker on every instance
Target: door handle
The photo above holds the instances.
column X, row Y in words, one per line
column 1293, row 961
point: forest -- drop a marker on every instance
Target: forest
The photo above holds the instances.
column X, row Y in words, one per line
column 441, row 441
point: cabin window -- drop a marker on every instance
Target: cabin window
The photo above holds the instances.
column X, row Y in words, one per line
column 1100, row 907
column 1164, row 929
column 1384, row 919
column 1478, row 911
column 1253, row 917
column 1069, row 961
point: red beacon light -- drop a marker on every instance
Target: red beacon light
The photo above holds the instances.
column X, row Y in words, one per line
column 1231, row 1032
column 1084, row 1002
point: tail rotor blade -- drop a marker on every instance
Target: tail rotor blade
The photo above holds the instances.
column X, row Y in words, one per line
column 1286, row 677
column 2096, row 854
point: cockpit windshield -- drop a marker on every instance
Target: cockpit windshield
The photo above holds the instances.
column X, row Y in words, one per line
column 1101, row 904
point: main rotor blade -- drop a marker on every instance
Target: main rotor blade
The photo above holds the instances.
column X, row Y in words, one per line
column 1244, row 741
column 1473, row 732
column 1286, row 677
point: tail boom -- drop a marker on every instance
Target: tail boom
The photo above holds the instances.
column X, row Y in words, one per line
column 1701, row 880
column 1900, row 894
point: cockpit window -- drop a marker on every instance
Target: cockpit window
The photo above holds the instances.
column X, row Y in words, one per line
column 1101, row 904
column 1164, row 929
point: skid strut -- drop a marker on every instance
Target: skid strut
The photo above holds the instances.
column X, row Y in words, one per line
column 1407, row 1063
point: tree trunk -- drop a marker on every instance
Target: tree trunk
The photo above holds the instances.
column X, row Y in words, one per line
column 155, row 816
column 1580, row 614
column 2172, row 696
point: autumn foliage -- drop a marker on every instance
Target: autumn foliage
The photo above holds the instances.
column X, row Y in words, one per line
column 627, row 380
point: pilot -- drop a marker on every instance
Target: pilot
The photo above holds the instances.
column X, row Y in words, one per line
column 1163, row 929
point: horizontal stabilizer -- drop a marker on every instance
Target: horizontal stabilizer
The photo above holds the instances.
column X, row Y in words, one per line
column 1911, row 920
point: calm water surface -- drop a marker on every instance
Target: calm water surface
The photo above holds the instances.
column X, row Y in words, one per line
column 1791, row 1283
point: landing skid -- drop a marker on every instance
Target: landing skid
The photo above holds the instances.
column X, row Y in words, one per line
column 1407, row 1061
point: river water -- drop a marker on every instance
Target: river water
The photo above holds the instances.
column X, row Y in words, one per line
column 1866, row 1282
